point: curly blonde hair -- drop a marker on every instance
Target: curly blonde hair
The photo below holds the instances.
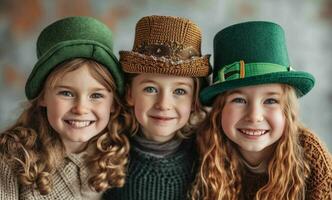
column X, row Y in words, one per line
column 197, row 115
column 35, row 150
column 220, row 172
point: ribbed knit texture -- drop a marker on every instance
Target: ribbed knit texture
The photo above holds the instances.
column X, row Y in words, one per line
column 166, row 29
column 69, row 183
column 319, row 182
column 152, row 178
column 166, row 45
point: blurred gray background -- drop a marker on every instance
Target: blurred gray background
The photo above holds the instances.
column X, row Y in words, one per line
column 307, row 23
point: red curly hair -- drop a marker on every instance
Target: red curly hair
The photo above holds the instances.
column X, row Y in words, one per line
column 220, row 171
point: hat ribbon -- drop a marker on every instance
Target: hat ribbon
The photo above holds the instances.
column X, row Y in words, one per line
column 239, row 70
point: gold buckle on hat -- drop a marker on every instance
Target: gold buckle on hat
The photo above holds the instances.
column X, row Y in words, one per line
column 242, row 70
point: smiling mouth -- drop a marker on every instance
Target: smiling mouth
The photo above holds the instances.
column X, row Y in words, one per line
column 79, row 123
column 253, row 132
column 160, row 118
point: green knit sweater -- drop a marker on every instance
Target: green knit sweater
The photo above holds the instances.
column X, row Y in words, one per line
column 153, row 178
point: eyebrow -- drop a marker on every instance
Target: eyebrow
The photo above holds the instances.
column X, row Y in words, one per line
column 177, row 83
column 273, row 93
column 71, row 88
column 266, row 93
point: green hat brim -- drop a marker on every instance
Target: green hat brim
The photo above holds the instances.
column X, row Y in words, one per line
column 303, row 82
column 68, row 50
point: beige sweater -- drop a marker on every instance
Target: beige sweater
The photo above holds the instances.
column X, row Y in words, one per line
column 69, row 183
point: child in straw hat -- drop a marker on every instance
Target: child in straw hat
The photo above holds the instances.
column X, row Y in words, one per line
column 252, row 144
column 165, row 71
column 68, row 143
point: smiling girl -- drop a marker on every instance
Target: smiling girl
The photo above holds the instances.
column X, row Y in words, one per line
column 67, row 143
column 252, row 144
column 165, row 72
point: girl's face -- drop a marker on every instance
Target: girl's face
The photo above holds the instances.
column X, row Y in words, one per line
column 78, row 107
column 162, row 104
column 253, row 119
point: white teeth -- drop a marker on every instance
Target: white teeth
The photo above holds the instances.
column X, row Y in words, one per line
column 253, row 132
column 79, row 124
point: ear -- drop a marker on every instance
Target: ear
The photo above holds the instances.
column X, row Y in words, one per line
column 129, row 97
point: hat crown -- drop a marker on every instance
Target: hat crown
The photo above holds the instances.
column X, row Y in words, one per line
column 253, row 53
column 167, row 36
column 166, row 45
column 71, row 29
column 70, row 38
column 251, row 42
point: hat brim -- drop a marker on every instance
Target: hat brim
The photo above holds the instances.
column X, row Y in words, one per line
column 303, row 82
column 68, row 50
column 133, row 62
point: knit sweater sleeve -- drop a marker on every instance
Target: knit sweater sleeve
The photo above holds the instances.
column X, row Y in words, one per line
column 319, row 183
column 8, row 182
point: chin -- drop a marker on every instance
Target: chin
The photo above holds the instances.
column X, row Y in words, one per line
column 253, row 149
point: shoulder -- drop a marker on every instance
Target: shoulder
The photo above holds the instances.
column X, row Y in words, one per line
column 9, row 185
column 16, row 141
column 7, row 169
column 4, row 165
column 315, row 151
column 319, row 181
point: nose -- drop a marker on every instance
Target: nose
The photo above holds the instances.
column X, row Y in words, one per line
column 164, row 101
column 255, row 113
column 80, row 107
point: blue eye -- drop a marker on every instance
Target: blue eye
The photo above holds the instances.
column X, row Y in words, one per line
column 66, row 93
column 180, row 91
column 150, row 89
column 239, row 100
column 271, row 101
column 97, row 96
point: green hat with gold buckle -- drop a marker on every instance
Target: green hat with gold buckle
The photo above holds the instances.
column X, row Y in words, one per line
column 252, row 53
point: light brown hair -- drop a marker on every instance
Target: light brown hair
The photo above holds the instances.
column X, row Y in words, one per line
column 35, row 150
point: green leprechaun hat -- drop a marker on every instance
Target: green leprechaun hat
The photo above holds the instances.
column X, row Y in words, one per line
column 252, row 53
column 68, row 38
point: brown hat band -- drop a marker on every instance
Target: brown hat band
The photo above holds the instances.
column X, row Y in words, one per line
column 133, row 62
column 171, row 51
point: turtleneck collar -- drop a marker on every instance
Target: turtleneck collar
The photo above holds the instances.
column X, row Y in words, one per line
column 258, row 169
column 154, row 148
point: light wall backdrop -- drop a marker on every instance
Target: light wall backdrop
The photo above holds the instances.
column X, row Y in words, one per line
column 307, row 23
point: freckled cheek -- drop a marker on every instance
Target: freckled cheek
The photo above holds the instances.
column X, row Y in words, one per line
column 186, row 113
column 225, row 124
column 103, row 110
column 229, row 118
column 185, row 107
column 279, row 121
column 229, row 114
column 139, row 112
column 55, row 117
column 57, row 109
column 141, row 105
